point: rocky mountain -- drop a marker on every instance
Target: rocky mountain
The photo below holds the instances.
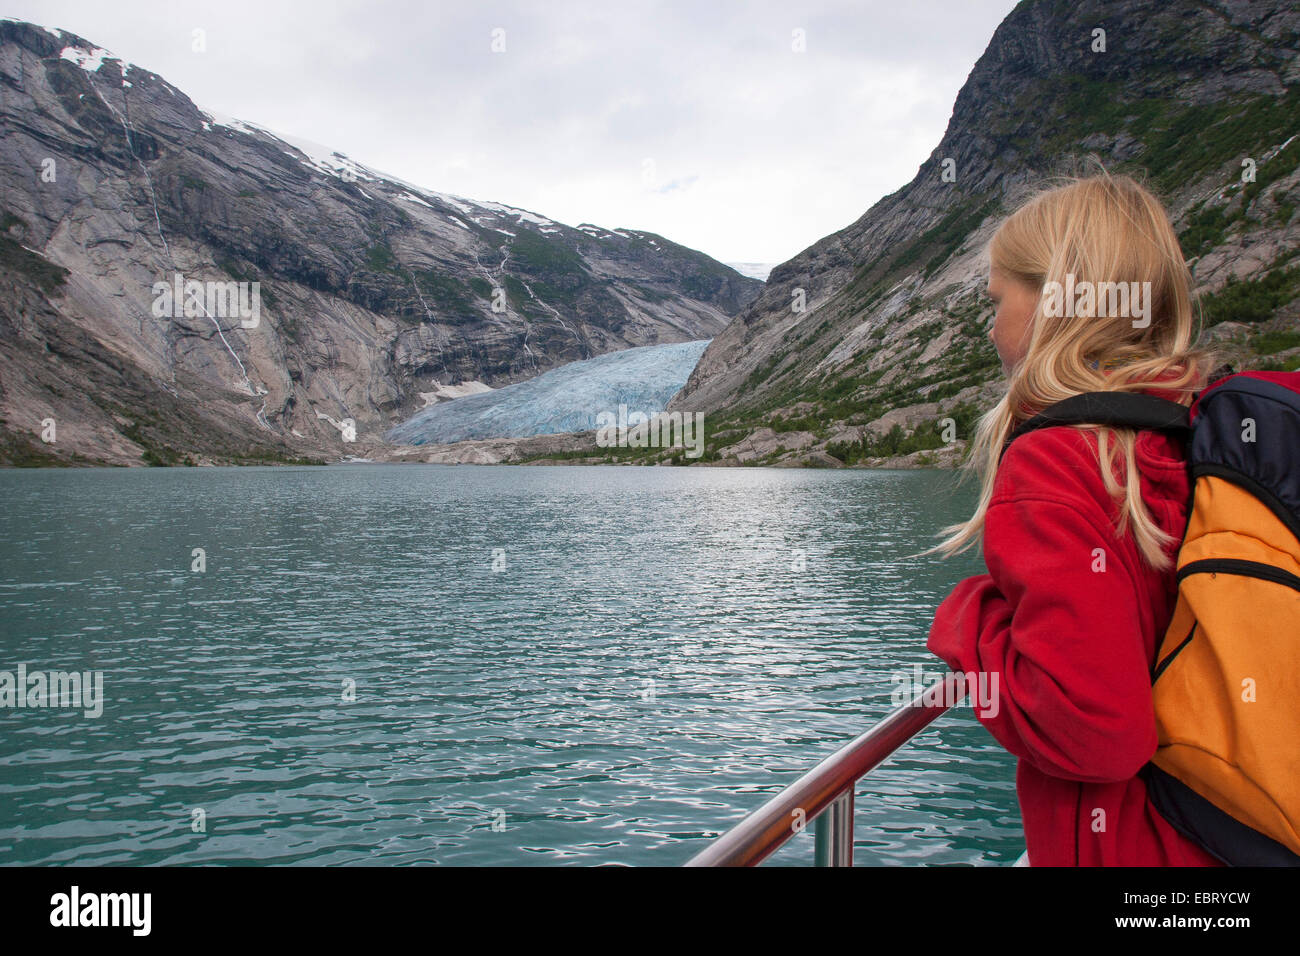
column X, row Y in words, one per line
column 178, row 286
column 860, row 345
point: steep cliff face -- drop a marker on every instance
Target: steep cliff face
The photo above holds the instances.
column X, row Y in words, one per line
column 893, row 329
column 369, row 291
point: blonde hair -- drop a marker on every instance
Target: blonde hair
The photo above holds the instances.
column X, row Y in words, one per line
column 1100, row 228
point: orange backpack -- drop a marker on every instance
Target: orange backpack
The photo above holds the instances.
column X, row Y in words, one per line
column 1226, row 678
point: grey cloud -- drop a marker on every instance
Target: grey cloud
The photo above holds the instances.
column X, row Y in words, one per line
column 740, row 128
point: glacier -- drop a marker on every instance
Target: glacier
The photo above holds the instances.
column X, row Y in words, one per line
column 565, row 399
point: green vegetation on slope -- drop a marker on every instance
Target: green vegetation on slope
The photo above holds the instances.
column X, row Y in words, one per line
column 1251, row 300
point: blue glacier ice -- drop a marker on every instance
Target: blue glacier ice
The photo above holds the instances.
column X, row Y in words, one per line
column 565, row 399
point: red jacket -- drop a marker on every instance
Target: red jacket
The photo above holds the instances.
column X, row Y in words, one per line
column 1073, row 647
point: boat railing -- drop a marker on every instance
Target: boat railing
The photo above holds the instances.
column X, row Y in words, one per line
column 824, row 794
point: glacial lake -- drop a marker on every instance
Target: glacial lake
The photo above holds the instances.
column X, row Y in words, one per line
column 420, row 664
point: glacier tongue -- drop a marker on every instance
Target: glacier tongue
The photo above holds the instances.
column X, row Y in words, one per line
column 565, row 399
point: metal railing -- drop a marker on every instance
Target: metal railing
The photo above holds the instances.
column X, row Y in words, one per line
column 825, row 793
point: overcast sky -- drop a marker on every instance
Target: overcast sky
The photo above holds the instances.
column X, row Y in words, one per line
column 696, row 120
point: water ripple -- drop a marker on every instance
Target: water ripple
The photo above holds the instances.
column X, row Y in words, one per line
column 350, row 681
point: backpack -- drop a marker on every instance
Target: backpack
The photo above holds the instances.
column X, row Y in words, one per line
column 1226, row 677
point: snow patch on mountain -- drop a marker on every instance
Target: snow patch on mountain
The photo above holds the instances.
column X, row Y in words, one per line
column 521, row 214
column 89, row 60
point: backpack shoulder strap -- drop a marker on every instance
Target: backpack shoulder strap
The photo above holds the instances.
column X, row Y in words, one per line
column 1116, row 409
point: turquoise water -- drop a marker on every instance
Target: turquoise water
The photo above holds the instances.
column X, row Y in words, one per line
column 661, row 649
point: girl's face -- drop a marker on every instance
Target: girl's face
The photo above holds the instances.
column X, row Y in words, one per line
column 1015, row 302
